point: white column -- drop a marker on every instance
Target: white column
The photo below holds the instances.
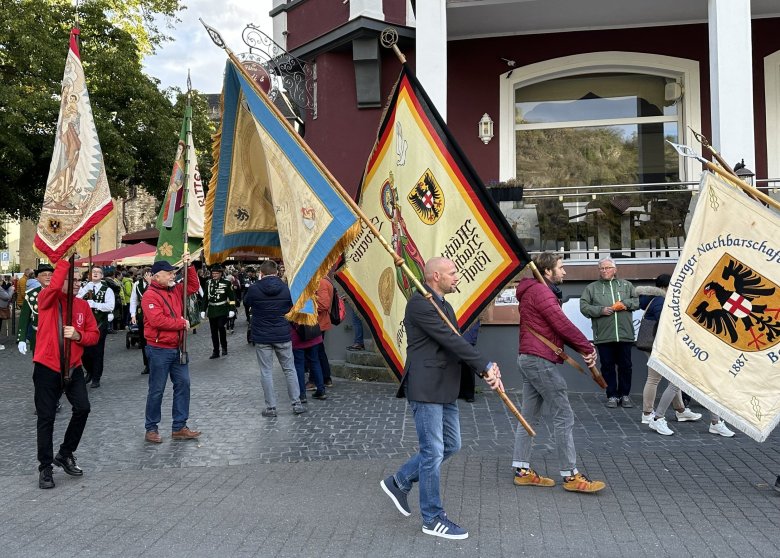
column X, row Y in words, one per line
column 731, row 80
column 431, row 51
column 366, row 8
column 280, row 25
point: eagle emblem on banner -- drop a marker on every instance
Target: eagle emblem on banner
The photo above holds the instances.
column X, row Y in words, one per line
column 738, row 305
column 427, row 199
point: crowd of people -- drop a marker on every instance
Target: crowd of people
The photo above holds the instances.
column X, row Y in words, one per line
column 441, row 363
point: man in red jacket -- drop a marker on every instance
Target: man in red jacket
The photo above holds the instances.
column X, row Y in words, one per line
column 47, row 372
column 164, row 326
column 540, row 313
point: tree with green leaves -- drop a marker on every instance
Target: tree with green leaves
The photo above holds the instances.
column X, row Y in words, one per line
column 136, row 122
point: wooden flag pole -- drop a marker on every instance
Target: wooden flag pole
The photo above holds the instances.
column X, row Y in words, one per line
column 398, row 260
column 68, row 321
column 185, row 254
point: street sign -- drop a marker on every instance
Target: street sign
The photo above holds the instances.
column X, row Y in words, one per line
column 5, row 259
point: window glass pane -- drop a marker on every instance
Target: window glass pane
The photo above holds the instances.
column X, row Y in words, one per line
column 629, row 154
column 593, row 97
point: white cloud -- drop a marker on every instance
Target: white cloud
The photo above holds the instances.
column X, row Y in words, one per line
column 193, row 49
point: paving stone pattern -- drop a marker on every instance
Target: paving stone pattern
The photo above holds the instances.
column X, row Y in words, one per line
column 308, row 485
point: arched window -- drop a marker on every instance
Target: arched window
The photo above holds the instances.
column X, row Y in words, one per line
column 772, row 100
column 587, row 136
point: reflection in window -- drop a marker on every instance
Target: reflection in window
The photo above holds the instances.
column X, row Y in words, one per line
column 595, row 129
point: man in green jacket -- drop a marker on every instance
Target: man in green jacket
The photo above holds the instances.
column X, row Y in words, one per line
column 28, row 318
column 609, row 303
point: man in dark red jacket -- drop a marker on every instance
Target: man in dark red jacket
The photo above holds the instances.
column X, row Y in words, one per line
column 47, row 373
column 540, row 313
column 164, row 326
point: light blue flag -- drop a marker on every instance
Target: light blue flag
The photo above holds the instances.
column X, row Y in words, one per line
column 270, row 195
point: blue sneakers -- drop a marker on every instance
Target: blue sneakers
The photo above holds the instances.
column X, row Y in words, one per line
column 444, row 528
column 397, row 495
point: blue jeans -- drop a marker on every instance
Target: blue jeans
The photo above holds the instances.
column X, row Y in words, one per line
column 162, row 363
column 304, row 358
column 438, row 432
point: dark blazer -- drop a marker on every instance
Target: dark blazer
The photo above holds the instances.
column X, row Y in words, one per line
column 434, row 353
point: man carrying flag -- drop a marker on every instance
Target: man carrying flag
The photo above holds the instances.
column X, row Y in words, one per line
column 47, row 376
column 76, row 200
column 164, row 326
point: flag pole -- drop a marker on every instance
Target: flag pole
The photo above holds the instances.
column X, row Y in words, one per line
column 68, row 321
column 398, row 260
column 185, row 233
column 706, row 143
column 686, row 151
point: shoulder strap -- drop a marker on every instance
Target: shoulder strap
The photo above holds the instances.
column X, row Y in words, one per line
column 648, row 306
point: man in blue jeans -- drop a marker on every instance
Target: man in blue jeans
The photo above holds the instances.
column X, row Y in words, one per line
column 164, row 326
column 431, row 383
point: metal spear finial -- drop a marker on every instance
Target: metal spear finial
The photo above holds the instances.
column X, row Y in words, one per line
column 214, row 34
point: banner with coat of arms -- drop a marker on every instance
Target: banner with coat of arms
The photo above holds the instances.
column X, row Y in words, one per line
column 77, row 196
column 719, row 333
column 420, row 191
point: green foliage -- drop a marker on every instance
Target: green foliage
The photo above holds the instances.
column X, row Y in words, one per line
column 137, row 125
column 141, row 19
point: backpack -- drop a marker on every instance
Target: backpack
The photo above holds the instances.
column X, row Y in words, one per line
column 337, row 309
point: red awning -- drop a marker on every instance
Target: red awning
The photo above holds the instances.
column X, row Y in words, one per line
column 107, row 258
column 151, row 234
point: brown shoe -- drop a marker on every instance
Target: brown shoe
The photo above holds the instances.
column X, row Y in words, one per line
column 153, row 436
column 185, row 434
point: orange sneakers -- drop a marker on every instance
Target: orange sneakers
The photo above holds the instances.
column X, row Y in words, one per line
column 531, row 478
column 581, row 483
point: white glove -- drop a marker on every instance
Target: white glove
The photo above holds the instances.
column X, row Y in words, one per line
column 231, row 314
column 23, row 347
column 110, row 317
column 202, row 315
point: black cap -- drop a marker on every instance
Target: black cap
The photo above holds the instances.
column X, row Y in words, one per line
column 42, row 268
column 162, row 265
column 217, row 267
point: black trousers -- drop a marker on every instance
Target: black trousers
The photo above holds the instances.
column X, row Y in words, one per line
column 93, row 356
column 48, row 389
column 218, row 333
column 616, row 355
column 142, row 340
column 467, row 382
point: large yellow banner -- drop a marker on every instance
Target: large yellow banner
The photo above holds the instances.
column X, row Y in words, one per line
column 720, row 327
column 424, row 197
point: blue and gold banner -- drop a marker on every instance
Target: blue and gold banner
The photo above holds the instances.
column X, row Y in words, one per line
column 720, row 327
column 270, row 195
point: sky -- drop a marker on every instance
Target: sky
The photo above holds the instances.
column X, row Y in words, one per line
column 193, row 49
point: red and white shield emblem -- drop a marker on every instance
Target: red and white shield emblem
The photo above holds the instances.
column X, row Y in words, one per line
column 738, row 305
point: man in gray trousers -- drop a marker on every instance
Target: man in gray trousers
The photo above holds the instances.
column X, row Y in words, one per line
column 270, row 299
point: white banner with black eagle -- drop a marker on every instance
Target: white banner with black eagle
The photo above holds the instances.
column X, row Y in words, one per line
column 719, row 332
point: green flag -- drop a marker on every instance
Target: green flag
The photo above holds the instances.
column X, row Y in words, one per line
column 185, row 187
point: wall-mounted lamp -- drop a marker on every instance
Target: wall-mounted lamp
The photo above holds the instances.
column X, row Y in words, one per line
column 485, row 129
column 744, row 173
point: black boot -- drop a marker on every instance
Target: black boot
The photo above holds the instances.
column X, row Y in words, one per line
column 215, row 354
column 46, row 478
column 68, row 465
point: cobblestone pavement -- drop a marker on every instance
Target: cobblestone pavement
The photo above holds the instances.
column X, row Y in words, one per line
column 308, row 485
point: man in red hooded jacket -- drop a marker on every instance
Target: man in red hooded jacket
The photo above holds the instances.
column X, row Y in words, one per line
column 164, row 326
column 47, row 373
column 540, row 313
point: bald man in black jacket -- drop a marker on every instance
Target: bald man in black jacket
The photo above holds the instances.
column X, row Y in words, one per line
column 431, row 383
